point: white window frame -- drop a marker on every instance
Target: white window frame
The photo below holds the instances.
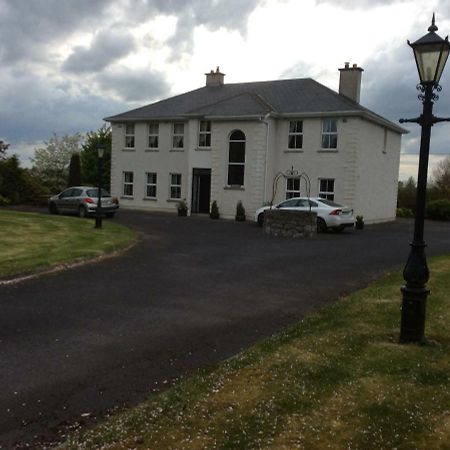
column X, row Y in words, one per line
column 176, row 136
column 151, row 184
column 297, row 135
column 292, row 192
column 328, row 134
column 130, row 135
column 204, row 133
column 126, row 184
column 327, row 193
column 175, row 185
column 153, row 135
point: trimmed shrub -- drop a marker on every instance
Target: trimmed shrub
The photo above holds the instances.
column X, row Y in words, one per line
column 4, row 201
column 405, row 213
column 240, row 212
column 439, row 209
column 214, row 213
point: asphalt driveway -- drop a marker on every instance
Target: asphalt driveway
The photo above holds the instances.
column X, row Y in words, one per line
column 191, row 293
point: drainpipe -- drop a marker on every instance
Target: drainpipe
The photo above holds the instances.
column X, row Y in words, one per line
column 266, row 123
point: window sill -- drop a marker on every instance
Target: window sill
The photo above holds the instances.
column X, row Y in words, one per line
column 177, row 150
column 173, row 200
column 152, row 150
column 234, row 188
column 129, row 149
column 330, row 150
column 203, row 149
column 293, row 150
column 127, row 197
column 150, row 199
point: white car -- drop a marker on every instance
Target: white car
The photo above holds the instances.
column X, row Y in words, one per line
column 329, row 214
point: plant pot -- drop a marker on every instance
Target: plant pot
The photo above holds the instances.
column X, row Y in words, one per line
column 359, row 225
column 182, row 212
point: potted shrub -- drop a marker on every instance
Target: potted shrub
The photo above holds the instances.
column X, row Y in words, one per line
column 214, row 213
column 182, row 208
column 240, row 212
column 359, row 225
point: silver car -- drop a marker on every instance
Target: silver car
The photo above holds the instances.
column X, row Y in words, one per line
column 82, row 200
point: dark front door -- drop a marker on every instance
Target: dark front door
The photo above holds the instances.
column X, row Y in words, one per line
column 201, row 190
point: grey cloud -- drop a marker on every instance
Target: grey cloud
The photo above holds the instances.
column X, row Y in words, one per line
column 358, row 4
column 136, row 85
column 107, row 46
column 29, row 26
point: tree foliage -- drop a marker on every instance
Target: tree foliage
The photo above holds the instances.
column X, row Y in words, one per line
column 3, row 147
column 51, row 163
column 407, row 194
column 441, row 177
column 89, row 157
column 74, row 170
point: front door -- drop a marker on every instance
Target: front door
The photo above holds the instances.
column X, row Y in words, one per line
column 201, row 190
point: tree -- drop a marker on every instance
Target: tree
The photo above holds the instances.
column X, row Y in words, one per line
column 3, row 147
column 89, row 157
column 51, row 163
column 441, row 177
column 407, row 194
column 74, row 170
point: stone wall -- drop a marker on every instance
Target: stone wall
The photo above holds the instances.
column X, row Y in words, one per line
column 293, row 224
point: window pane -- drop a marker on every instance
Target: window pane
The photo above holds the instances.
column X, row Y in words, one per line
column 153, row 141
column 325, row 141
column 237, row 152
column 333, row 141
column 175, row 192
column 151, row 191
column 237, row 135
column 204, row 140
column 129, row 128
column 205, row 125
column 153, row 128
column 128, row 177
column 178, row 128
column 178, row 142
column 129, row 141
column 236, row 175
column 296, row 126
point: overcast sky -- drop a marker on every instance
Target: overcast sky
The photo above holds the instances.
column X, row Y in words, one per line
column 66, row 64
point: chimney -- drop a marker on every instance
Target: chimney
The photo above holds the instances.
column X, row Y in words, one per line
column 350, row 82
column 215, row 78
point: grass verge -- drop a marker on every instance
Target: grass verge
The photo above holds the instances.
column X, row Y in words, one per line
column 338, row 380
column 32, row 242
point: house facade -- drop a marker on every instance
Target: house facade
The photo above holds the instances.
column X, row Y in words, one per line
column 228, row 142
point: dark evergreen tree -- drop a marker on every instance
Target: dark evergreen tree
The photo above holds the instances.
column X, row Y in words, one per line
column 74, row 170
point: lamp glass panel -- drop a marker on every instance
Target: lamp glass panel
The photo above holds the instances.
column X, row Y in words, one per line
column 101, row 151
column 427, row 58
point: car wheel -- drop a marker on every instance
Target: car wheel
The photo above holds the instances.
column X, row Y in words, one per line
column 321, row 225
column 53, row 208
column 82, row 212
column 261, row 219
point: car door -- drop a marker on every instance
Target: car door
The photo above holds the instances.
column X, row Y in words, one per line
column 290, row 204
column 74, row 200
column 63, row 203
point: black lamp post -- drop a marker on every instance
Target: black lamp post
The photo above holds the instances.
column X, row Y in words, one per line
column 98, row 212
column 431, row 53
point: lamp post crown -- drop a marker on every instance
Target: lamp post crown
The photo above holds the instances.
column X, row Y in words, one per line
column 432, row 28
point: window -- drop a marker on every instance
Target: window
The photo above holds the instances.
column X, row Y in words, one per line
column 175, row 186
column 292, row 187
column 329, row 133
column 150, row 186
column 295, row 134
column 326, row 188
column 129, row 135
column 153, row 133
column 128, row 184
column 178, row 135
column 204, row 134
column 236, row 159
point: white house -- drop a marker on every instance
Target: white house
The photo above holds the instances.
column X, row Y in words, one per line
column 227, row 142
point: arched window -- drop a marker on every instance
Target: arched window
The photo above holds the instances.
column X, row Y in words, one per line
column 236, row 159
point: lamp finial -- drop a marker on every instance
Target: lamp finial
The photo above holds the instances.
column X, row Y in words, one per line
column 433, row 26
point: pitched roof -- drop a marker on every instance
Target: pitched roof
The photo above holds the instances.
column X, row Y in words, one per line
column 303, row 97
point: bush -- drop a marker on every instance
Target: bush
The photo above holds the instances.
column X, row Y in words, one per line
column 4, row 201
column 182, row 208
column 439, row 209
column 214, row 214
column 240, row 212
column 404, row 212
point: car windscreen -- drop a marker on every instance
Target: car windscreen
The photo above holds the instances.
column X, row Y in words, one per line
column 329, row 202
column 94, row 193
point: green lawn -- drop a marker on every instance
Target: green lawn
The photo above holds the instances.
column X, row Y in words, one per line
column 32, row 242
column 337, row 380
